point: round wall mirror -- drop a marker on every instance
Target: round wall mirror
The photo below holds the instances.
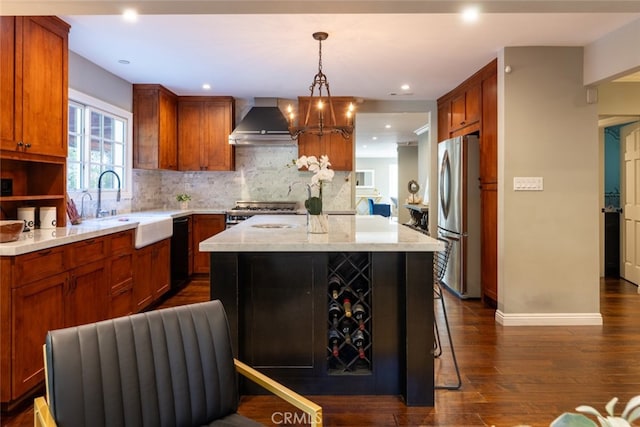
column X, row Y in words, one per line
column 413, row 186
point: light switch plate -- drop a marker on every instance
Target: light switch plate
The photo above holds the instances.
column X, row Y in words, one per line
column 528, row 183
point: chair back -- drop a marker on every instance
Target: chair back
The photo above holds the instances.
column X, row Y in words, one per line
column 440, row 261
column 170, row 367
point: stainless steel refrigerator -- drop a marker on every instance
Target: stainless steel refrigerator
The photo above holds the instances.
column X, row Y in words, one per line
column 459, row 212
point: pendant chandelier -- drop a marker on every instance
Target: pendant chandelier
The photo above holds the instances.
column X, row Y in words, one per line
column 321, row 105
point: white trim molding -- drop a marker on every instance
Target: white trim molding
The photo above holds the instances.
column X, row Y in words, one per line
column 548, row 319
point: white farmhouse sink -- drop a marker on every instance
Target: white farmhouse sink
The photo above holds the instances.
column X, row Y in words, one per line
column 150, row 229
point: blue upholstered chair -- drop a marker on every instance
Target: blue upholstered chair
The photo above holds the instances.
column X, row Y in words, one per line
column 379, row 208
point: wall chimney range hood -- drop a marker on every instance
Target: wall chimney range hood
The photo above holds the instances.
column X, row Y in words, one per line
column 262, row 125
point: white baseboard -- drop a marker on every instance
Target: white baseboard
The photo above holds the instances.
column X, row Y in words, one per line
column 548, row 319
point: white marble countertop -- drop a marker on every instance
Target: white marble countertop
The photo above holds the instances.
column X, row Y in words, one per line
column 41, row 239
column 347, row 233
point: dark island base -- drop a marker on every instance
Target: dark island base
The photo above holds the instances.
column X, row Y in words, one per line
column 277, row 304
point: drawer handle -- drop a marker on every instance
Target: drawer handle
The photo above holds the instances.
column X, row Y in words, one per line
column 44, row 253
column 90, row 242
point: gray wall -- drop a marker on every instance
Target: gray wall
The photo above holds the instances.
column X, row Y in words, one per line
column 547, row 240
column 88, row 78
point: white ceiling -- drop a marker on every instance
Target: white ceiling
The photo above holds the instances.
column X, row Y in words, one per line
column 250, row 49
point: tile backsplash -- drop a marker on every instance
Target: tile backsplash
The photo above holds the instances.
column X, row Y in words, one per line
column 262, row 173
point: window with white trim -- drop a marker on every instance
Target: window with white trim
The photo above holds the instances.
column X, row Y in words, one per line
column 99, row 139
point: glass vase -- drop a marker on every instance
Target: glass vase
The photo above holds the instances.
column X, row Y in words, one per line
column 317, row 224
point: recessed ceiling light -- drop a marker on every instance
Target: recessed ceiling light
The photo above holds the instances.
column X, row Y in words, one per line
column 206, row 86
column 364, row 146
column 470, row 14
column 130, row 15
column 123, row 61
column 387, row 126
column 405, row 87
column 374, row 138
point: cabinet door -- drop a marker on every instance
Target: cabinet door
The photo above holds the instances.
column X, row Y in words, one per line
column 204, row 226
column 457, row 113
column 339, row 149
column 489, row 243
column 36, row 309
column 42, row 98
column 466, row 107
column 168, row 150
column 473, row 104
column 8, row 137
column 219, row 155
column 443, row 120
column 155, row 137
column 190, row 134
column 489, row 132
column 86, row 300
column 161, row 259
column 142, row 278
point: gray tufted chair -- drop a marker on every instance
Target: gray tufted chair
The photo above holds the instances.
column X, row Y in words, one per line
column 170, row 367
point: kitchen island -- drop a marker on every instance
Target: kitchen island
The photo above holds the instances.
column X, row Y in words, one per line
column 347, row 312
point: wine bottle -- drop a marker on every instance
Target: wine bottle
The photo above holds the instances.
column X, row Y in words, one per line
column 360, row 314
column 358, row 340
column 335, row 312
column 334, row 342
column 334, row 286
column 347, row 298
column 360, row 289
column 346, row 327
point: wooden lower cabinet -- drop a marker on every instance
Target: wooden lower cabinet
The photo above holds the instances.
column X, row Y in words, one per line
column 63, row 286
column 37, row 308
column 489, row 243
column 204, row 226
column 161, row 275
column 152, row 273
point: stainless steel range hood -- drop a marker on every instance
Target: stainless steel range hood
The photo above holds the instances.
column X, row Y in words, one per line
column 262, row 125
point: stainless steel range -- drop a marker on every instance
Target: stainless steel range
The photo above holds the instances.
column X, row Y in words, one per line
column 243, row 210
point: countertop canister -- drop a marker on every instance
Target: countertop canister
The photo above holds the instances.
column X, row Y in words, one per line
column 28, row 215
column 48, row 217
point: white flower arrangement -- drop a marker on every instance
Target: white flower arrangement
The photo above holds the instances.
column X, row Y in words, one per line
column 321, row 174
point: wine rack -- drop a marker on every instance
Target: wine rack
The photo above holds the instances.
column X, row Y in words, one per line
column 349, row 323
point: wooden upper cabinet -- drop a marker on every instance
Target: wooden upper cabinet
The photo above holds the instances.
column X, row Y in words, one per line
column 339, row 149
column 34, row 85
column 466, row 107
column 155, row 127
column 489, row 131
column 204, row 125
column 444, row 109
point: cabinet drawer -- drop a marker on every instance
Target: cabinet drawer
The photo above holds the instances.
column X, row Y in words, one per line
column 122, row 243
column 87, row 251
column 38, row 265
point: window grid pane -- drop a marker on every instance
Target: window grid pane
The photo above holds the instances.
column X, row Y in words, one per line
column 100, row 145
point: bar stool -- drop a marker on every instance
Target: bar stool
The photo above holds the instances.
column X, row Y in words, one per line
column 440, row 262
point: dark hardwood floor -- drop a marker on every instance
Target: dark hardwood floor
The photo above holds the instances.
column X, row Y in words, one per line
column 512, row 376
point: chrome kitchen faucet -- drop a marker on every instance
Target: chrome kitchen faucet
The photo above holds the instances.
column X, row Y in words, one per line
column 100, row 212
